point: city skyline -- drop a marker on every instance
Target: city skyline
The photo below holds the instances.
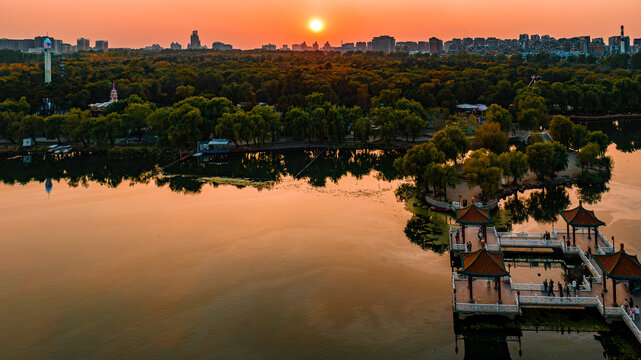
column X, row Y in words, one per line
column 280, row 22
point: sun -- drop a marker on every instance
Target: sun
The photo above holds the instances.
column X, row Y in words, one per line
column 316, row 25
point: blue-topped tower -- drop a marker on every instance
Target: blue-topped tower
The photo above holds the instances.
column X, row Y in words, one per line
column 47, row 50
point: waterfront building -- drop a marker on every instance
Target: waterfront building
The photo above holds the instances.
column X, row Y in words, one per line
column 473, row 216
column 47, row 51
column 483, row 264
column 194, row 41
column 175, row 46
column 98, row 108
column 384, row 43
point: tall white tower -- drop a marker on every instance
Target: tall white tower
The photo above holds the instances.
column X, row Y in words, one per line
column 47, row 47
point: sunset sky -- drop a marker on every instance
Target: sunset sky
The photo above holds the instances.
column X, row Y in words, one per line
column 250, row 23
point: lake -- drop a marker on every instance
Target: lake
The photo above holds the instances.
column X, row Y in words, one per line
column 117, row 262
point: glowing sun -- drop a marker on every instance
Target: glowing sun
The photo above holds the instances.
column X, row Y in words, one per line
column 316, row 25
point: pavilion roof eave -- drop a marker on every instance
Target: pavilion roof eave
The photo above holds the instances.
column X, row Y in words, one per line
column 631, row 259
column 474, row 215
column 580, row 217
column 487, row 254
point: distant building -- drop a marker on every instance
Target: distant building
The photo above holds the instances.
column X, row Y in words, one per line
column 436, row 45
column 47, row 50
column 384, row 43
column 268, row 47
column 154, row 47
column 194, row 41
column 82, row 44
column 175, row 46
column 315, row 46
column 328, row 47
column 361, row 45
column 219, row 46
column 300, row 47
column 524, row 37
column 285, row 47
column 102, row 45
column 98, row 108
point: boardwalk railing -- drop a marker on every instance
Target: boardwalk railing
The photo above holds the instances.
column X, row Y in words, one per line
column 525, row 242
column 588, row 263
column 631, row 324
column 487, row 308
column 555, row 300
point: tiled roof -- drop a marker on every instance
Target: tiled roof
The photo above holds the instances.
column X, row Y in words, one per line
column 473, row 215
column 579, row 216
column 483, row 263
column 619, row 265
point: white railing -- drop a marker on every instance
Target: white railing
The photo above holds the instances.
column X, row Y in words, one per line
column 522, row 236
column 571, row 249
column 493, row 247
column 604, row 250
column 631, row 324
column 487, row 308
column 607, row 310
column 453, row 228
column 586, row 286
column 458, row 276
column 529, row 243
column 596, row 276
column 458, row 247
column 557, row 301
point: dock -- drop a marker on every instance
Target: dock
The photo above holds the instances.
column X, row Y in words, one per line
column 508, row 295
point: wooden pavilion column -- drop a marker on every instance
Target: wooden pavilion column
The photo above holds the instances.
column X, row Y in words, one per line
column 485, row 233
column 589, row 237
column 568, row 230
column 605, row 283
column 499, row 280
column 469, row 284
column 573, row 234
column 614, row 292
column 595, row 238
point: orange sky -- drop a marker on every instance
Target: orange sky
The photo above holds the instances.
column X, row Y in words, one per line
column 250, row 23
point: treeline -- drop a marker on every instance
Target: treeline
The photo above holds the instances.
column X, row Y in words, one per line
column 578, row 85
column 435, row 163
column 198, row 118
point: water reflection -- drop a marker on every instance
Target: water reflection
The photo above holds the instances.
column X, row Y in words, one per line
column 624, row 133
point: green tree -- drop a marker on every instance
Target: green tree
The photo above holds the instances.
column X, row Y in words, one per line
column 184, row 91
column 600, row 138
column 135, row 117
column 54, row 126
column 441, row 176
column 588, row 155
column 417, row 159
column 562, row 130
column 451, row 141
column 482, row 169
column 77, row 126
column 545, row 158
column 297, row 123
column 362, row 129
column 497, row 114
column 270, row 118
column 31, row 125
column 184, row 126
column 514, row 164
column 490, row 136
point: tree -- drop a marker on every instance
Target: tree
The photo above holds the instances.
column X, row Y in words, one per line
column 579, row 136
column 362, row 129
column 482, row 169
column 297, row 123
column 410, row 123
column 184, row 123
column 31, row 125
column 497, row 114
column 600, row 138
column 54, row 126
column 514, row 164
column 417, row 159
column 451, row 141
column 184, row 91
column 104, row 129
column 76, row 126
column 226, row 128
column 545, row 158
column 490, row 136
column 135, row 117
column 441, row 176
column 561, row 130
column 386, row 121
column 588, row 155
column 529, row 119
column 270, row 118
column 531, row 109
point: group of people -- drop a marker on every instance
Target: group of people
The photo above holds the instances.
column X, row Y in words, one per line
column 633, row 310
column 547, row 236
column 548, row 288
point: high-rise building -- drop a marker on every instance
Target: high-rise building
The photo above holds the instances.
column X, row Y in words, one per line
column 384, row 43
column 436, row 45
column 46, row 44
column 268, row 47
column 175, row 46
column 82, row 44
column 102, row 45
column 219, row 46
column 194, row 41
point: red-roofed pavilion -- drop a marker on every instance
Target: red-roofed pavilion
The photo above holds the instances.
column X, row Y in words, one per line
column 580, row 217
column 485, row 264
column 618, row 266
column 473, row 216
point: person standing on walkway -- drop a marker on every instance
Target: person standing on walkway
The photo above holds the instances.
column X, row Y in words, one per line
column 567, row 289
column 560, row 289
column 574, row 286
column 589, row 252
column 636, row 312
column 551, row 286
column 631, row 302
column 458, row 236
column 545, row 286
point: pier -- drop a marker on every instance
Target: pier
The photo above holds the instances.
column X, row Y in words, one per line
column 483, row 285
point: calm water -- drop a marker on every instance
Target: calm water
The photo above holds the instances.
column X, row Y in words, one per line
column 316, row 267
